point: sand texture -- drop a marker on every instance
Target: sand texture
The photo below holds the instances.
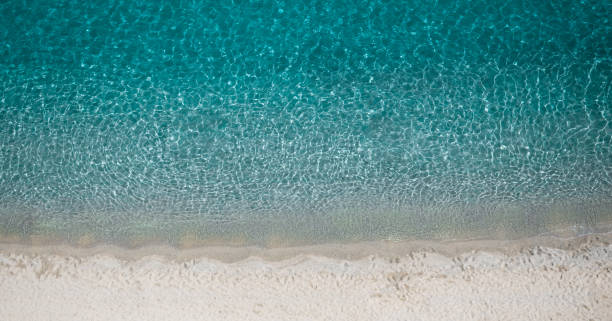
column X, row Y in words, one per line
column 530, row 283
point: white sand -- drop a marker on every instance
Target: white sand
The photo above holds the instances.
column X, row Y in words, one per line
column 567, row 282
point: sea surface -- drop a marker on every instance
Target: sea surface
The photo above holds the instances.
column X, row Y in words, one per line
column 258, row 122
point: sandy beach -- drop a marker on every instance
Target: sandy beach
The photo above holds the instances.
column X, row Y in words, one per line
column 531, row 279
column 305, row 160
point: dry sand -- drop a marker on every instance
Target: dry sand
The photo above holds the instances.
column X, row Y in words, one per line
column 534, row 279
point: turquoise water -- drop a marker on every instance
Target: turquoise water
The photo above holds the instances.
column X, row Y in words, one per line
column 308, row 121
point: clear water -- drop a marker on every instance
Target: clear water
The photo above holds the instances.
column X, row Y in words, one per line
column 303, row 120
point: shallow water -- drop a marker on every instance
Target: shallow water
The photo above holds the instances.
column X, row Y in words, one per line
column 311, row 121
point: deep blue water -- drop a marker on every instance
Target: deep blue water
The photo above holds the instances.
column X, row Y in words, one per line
column 309, row 121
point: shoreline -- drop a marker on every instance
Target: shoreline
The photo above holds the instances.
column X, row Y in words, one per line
column 563, row 239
